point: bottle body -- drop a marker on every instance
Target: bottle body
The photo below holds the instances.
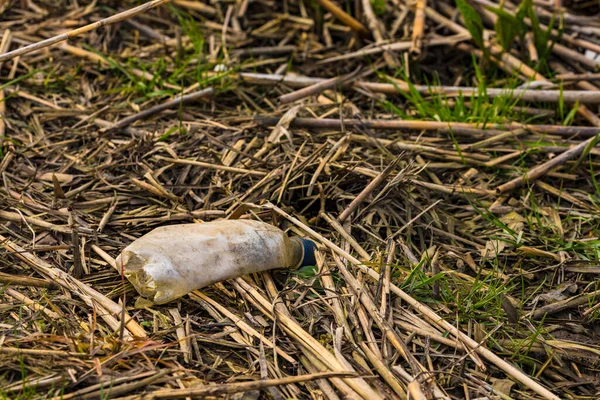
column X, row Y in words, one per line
column 173, row 260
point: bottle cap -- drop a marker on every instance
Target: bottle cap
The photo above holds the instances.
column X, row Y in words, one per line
column 309, row 248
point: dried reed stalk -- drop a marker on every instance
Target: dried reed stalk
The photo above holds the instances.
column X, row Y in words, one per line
column 84, row 29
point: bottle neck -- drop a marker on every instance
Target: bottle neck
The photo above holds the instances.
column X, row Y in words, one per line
column 296, row 252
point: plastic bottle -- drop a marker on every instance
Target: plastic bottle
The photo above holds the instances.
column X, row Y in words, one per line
column 173, row 260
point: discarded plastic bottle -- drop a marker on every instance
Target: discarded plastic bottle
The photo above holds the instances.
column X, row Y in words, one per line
column 171, row 261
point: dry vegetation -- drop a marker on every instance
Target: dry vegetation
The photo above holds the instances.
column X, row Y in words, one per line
column 459, row 228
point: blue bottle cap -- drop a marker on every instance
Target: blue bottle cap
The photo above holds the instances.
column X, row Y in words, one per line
column 309, row 248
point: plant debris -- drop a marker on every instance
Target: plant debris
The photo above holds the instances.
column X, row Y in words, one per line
column 442, row 154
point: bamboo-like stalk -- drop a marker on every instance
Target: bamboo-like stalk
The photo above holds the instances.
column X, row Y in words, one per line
column 571, row 55
column 197, row 6
column 212, row 166
column 418, row 28
column 262, row 51
column 25, row 281
column 16, row 217
column 524, row 94
column 102, row 385
column 569, row 76
column 376, row 30
column 530, row 46
column 230, row 388
column 543, row 169
column 344, row 17
column 383, row 370
column 41, row 352
column 584, row 83
column 584, row 298
column 4, row 46
column 311, row 90
column 32, row 304
column 84, row 29
column 367, row 191
column 329, row 123
column 176, row 102
column 398, row 46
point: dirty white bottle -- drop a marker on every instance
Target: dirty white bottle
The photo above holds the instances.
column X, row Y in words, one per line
column 173, row 260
